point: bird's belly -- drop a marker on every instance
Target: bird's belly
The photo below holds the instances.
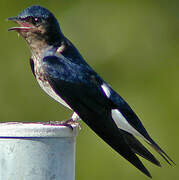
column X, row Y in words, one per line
column 49, row 90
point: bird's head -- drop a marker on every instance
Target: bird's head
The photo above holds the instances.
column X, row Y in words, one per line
column 37, row 24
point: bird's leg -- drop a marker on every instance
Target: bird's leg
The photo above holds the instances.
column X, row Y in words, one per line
column 71, row 121
column 75, row 117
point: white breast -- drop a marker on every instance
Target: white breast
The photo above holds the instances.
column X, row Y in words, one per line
column 48, row 89
column 44, row 84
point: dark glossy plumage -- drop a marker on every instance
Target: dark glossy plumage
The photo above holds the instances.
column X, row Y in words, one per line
column 63, row 73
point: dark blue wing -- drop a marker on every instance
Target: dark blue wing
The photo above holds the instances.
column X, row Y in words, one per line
column 75, row 82
column 80, row 87
column 86, row 82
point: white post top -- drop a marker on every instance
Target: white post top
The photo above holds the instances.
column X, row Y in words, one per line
column 39, row 129
column 39, row 150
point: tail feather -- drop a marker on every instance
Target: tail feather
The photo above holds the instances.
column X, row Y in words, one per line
column 126, row 151
column 114, row 137
column 117, row 141
column 138, row 148
column 133, row 159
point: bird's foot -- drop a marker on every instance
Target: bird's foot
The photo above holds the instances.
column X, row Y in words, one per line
column 68, row 123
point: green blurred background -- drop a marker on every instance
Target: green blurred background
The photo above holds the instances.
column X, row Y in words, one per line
column 133, row 45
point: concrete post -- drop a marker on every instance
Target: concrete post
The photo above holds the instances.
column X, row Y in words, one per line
column 37, row 151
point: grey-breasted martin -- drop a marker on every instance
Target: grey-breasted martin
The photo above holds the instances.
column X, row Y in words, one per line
column 64, row 75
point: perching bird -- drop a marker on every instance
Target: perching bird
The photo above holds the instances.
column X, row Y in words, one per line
column 65, row 76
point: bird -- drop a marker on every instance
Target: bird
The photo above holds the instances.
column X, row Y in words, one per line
column 64, row 75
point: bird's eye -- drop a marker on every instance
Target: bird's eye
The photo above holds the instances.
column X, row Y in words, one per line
column 37, row 20
column 34, row 20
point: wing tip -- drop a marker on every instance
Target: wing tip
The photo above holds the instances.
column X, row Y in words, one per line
column 162, row 153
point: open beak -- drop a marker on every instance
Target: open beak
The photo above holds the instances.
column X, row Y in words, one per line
column 23, row 25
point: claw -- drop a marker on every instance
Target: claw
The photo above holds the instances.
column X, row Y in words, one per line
column 67, row 123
